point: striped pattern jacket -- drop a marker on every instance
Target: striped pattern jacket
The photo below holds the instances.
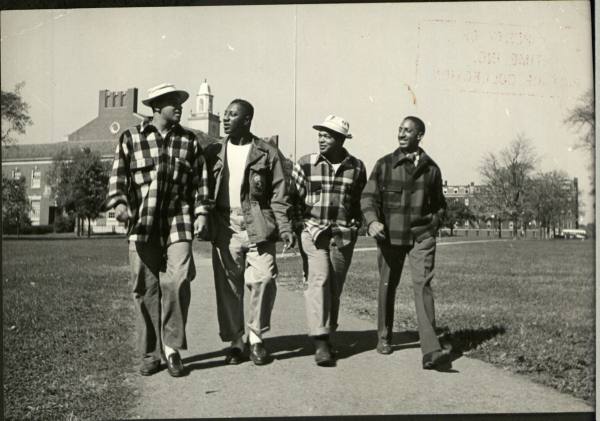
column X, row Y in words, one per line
column 408, row 200
column 328, row 199
column 162, row 181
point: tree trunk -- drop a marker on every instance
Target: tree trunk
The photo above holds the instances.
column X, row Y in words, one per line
column 499, row 228
column 89, row 231
column 18, row 226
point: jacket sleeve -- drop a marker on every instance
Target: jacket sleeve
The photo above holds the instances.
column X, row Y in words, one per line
column 280, row 200
column 438, row 203
column 118, row 183
column 359, row 184
column 200, row 184
column 298, row 195
column 371, row 196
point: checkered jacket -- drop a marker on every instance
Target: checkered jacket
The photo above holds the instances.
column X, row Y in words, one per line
column 159, row 180
column 408, row 200
column 325, row 199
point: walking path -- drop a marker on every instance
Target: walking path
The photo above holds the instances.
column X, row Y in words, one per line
column 364, row 382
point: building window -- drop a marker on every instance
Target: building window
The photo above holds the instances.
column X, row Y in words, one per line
column 466, row 201
column 111, row 215
column 466, row 190
column 36, row 178
column 445, row 191
column 455, row 190
column 16, row 174
column 34, row 213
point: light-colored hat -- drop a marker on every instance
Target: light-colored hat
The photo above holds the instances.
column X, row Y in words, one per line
column 165, row 89
column 335, row 123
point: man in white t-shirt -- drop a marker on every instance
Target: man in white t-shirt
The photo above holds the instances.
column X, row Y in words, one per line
column 249, row 193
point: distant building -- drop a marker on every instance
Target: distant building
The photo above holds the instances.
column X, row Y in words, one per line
column 117, row 111
column 471, row 195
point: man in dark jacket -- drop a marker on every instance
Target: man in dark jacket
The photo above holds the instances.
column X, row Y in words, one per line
column 403, row 205
column 249, row 210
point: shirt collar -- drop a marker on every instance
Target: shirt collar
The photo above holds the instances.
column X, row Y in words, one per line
column 400, row 157
column 321, row 158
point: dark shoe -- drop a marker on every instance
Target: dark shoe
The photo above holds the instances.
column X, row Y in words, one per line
column 323, row 355
column 437, row 359
column 259, row 354
column 149, row 368
column 234, row 356
column 384, row 347
column 175, row 365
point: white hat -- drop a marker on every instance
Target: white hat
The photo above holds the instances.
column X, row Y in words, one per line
column 335, row 123
column 164, row 89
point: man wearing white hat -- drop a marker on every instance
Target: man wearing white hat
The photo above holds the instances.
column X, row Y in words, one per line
column 158, row 185
column 328, row 187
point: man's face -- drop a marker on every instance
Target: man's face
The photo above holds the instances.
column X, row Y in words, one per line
column 408, row 136
column 236, row 120
column 170, row 109
column 328, row 143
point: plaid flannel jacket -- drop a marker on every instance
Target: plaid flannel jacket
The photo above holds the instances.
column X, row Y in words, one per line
column 328, row 199
column 408, row 200
column 159, row 180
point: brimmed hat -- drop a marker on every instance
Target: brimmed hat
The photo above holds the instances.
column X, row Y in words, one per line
column 165, row 89
column 335, row 123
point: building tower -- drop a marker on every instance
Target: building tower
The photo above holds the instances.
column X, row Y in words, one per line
column 203, row 118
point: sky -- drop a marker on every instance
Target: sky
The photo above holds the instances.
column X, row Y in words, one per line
column 478, row 74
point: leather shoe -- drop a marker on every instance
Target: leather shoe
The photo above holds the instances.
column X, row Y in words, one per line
column 234, row 356
column 323, row 355
column 175, row 365
column 437, row 359
column 259, row 354
column 149, row 368
column 384, row 347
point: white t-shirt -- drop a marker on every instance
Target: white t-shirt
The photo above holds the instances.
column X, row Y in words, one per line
column 336, row 166
column 236, row 163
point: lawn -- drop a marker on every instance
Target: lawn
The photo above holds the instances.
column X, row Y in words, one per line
column 67, row 324
column 526, row 306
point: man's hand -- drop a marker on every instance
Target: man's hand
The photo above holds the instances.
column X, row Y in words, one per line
column 121, row 213
column 377, row 230
column 201, row 227
column 288, row 239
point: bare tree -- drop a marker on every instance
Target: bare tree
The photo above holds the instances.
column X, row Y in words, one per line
column 582, row 118
column 550, row 199
column 506, row 178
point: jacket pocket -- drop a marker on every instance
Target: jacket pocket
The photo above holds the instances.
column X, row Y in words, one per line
column 391, row 197
column 263, row 226
column 143, row 170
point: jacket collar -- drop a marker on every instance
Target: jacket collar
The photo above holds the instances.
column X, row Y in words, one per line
column 147, row 127
column 318, row 158
column 398, row 157
column 257, row 150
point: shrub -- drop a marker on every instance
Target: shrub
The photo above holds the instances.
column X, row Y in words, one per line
column 64, row 223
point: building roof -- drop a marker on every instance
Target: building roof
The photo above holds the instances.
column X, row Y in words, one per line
column 20, row 152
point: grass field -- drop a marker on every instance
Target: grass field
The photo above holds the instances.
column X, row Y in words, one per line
column 67, row 327
column 526, row 306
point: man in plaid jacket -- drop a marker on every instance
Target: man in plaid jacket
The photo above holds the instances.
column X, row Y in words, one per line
column 403, row 204
column 328, row 188
column 157, row 185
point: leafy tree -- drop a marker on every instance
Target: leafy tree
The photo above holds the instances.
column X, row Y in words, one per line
column 457, row 212
column 15, row 203
column 505, row 179
column 15, row 117
column 80, row 184
column 582, row 119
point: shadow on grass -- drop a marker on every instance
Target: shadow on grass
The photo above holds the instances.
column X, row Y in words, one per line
column 467, row 339
column 50, row 237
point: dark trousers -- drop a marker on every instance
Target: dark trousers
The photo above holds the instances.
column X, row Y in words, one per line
column 161, row 291
column 421, row 258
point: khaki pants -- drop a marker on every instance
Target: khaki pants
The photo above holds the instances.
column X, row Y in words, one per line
column 161, row 290
column 421, row 257
column 327, row 269
column 238, row 263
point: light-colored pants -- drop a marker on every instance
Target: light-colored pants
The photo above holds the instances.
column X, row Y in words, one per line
column 421, row 257
column 237, row 262
column 160, row 280
column 327, row 268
